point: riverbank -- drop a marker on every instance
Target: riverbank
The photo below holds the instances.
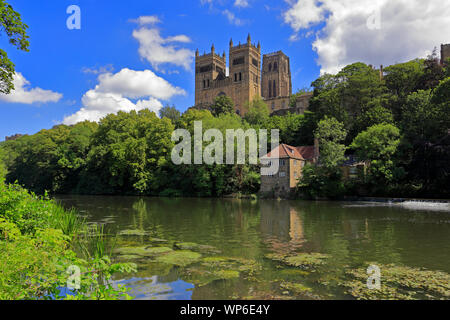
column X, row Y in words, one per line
column 38, row 244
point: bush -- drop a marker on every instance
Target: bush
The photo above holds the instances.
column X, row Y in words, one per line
column 37, row 251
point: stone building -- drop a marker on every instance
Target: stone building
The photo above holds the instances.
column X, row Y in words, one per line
column 242, row 84
column 291, row 162
column 276, row 80
column 445, row 52
column 245, row 80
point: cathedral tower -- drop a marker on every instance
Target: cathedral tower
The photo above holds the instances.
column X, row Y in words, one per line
column 245, row 73
column 276, row 80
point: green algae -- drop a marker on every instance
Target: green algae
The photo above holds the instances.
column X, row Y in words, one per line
column 192, row 246
column 142, row 251
column 306, row 261
column 133, row 233
column 180, row 258
column 399, row 282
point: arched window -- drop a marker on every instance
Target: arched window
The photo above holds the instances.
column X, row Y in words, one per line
column 274, row 89
column 204, row 84
column 240, row 76
column 270, row 67
column 275, row 66
column 270, row 88
column 235, row 77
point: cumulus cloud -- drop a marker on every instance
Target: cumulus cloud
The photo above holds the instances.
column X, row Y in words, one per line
column 241, row 3
column 144, row 20
column 22, row 93
column 99, row 70
column 116, row 92
column 159, row 50
column 376, row 32
column 232, row 18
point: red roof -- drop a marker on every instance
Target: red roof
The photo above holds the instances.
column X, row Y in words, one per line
column 287, row 151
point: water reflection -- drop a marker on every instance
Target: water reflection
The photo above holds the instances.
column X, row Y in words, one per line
column 352, row 233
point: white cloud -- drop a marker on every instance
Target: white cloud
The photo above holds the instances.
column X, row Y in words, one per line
column 241, row 3
column 146, row 20
column 232, row 18
column 22, row 93
column 99, row 70
column 115, row 92
column 408, row 29
column 159, row 50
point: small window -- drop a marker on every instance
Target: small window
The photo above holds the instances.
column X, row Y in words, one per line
column 240, row 76
column 235, row 77
column 275, row 66
column 273, row 105
column 282, row 174
column 270, row 67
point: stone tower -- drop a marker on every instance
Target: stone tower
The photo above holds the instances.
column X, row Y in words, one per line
column 276, row 80
column 445, row 52
column 245, row 73
column 208, row 68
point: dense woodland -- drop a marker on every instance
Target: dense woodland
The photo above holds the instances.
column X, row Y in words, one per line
column 398, row 124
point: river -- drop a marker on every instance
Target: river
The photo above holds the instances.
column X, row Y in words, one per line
column 238, row 249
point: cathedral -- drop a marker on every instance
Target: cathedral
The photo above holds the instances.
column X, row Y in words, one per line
column 245, row 79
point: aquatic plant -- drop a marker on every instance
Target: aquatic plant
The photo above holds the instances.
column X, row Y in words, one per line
column 180, row 258
column 307, row 261
column 399, row 282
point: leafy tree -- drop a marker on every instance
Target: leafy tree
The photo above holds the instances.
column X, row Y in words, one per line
column 331, row 134
column 11, row 23
column 373, row 116
column 129, row 152
column 404, row 78
column 171, row 113
column 222, row 104
column 258, row 112
column 433, row 72
column 2, row 164
column 378, row 144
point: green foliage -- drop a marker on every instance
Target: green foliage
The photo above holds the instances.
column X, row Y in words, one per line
column 378, row 142
column 37, row 250
column 2, row 164
column 321, row 182
column 222, row 104
column 258, row 112
column 331, row 133
column 11, row 23
column 171, row 113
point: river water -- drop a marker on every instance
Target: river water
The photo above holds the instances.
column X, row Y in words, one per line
column 243, row 234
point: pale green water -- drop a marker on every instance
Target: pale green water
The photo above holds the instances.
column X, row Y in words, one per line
column 350, row 233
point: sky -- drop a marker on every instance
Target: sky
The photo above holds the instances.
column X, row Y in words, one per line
column 131, row 55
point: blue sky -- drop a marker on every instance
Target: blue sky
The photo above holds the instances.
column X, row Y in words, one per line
column 117, row 58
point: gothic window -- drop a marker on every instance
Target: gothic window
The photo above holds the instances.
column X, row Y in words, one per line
column 240, row 76
column 270, row 67
column 204, row 84
column 275, row 66
column 270, row 88
column 235, row 77
column 274, row 89
column 208, row 83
